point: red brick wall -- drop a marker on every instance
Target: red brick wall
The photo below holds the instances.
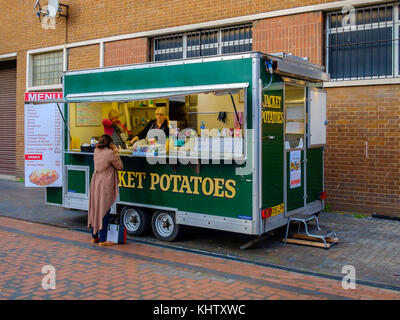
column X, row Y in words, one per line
column 84, row 57
column 299, row 34
column 357, row 178
column 91, row 19
column 126, row 52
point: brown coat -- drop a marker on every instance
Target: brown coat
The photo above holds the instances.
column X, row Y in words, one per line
column 103, row 187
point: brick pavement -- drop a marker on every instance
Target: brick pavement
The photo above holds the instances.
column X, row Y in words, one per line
column 139, row 271
column 371, row 245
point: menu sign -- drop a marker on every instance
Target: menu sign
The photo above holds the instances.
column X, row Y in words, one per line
column 295, row 169
column 43, row 143
column 88, row 115
column 41, row 96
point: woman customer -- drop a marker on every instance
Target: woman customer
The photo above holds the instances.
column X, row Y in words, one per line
column 161, row 122
column 114, row 127
column 103, row 188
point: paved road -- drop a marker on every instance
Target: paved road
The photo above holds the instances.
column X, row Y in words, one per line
column 371, row 245
column 139, row 271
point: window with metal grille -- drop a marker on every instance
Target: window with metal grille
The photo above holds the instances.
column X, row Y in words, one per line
column 168, row 48
column 363, row 43
column 47, row 68
column 203, row 43
column 236, row 39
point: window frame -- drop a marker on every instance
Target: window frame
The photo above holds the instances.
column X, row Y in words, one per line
column 394, row 23
column 29, row 68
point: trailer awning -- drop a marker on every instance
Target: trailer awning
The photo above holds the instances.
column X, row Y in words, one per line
column 149, row 94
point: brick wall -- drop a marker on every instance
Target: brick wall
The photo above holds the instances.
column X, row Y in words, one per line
column 362, row 164
column 90, row 19
column 84, row 57
column 126, row 52
column 299, row 34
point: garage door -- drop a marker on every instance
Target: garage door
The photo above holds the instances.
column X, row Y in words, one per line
column 8, row 85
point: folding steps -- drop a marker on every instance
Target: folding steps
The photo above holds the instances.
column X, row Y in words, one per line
column 312, row 235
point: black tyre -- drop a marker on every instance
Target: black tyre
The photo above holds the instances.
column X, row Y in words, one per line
column 135, row 220
column 164, row 226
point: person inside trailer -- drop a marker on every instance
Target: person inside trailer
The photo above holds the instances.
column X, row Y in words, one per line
column 161, row 122
column 114, row 127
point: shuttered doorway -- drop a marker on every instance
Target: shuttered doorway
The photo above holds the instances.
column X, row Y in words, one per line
column 8, row 87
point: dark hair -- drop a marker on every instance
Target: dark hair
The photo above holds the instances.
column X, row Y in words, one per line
column 104, row 142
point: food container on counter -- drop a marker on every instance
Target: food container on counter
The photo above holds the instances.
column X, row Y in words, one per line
column 86, row 148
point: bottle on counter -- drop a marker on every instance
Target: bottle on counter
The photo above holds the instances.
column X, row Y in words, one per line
column 202, row 128
column 93, row 143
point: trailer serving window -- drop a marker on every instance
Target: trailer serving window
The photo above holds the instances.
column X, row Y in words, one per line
column 295, row 113
column 203, row 122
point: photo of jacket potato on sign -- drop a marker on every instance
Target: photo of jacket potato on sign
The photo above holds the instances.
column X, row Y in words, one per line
column 43, row 177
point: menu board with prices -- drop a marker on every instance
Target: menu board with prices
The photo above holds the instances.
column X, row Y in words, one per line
column 43, row 145
column 88, row 115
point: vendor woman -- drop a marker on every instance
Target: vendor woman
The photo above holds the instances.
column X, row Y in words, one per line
column 161, row 122
column 114, row 128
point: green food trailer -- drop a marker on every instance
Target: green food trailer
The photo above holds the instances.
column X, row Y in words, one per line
column 245, row 150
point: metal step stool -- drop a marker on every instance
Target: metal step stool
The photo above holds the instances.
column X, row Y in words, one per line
column 317, row 233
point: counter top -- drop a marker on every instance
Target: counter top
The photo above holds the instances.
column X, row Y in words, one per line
column 174, row 156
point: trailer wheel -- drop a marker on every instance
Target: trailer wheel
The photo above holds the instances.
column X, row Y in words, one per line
column 164, row 226
column 135, row 221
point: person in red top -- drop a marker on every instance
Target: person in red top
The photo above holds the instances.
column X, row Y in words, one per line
column 114, row 128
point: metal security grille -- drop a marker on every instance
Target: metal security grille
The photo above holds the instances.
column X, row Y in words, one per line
column 8, row 87
column 237, row 39
column 168, row 48
column 47, row 68
column 363, row 43
column 204, row 43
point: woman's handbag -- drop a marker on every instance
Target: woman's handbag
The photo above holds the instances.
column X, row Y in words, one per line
column 116, row 233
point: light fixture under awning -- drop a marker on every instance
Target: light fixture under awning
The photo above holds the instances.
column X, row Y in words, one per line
column 150, row 94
